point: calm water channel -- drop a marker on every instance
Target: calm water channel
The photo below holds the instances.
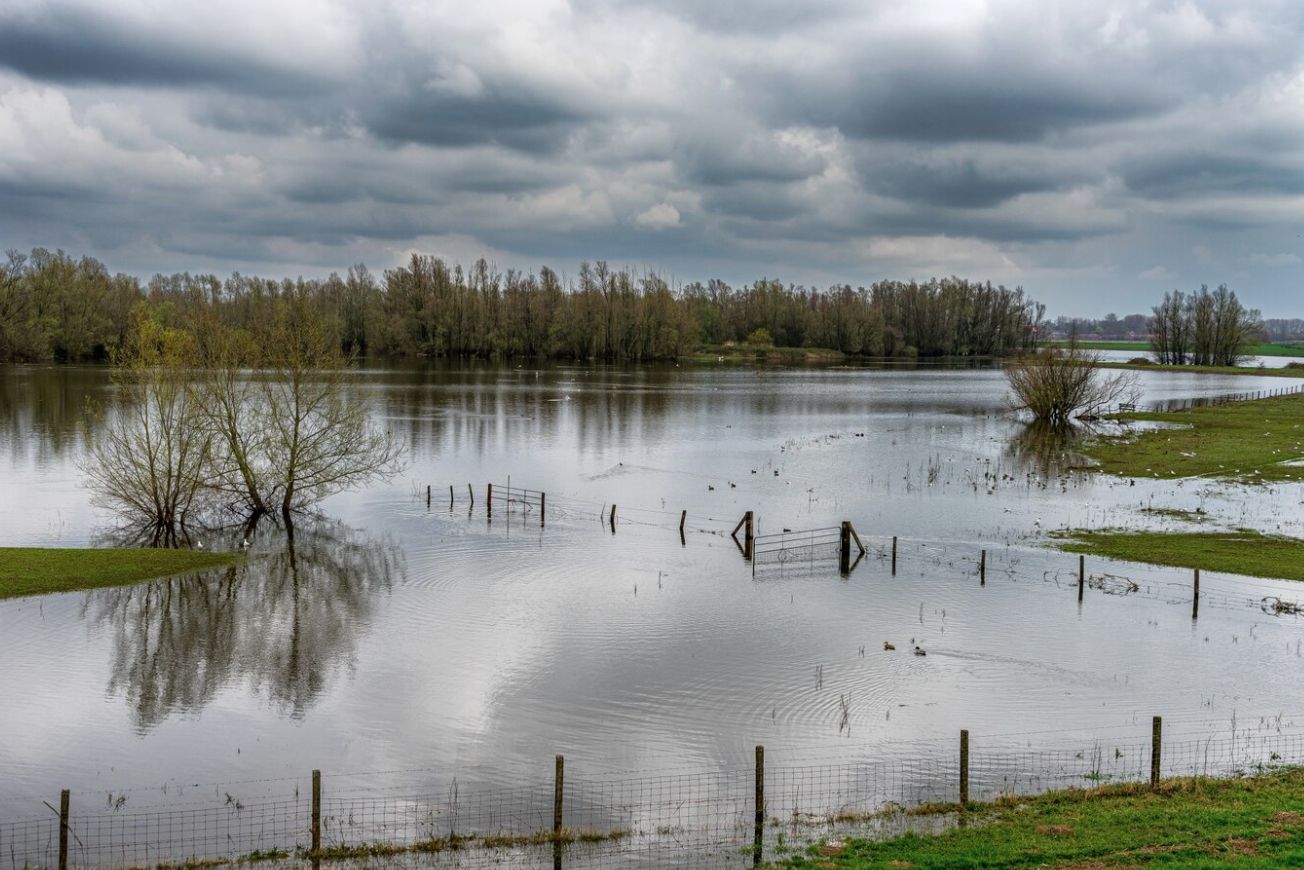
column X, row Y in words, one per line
column 400, row 637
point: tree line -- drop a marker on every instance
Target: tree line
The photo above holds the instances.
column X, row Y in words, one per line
column 54, row 306
column 1203, row 327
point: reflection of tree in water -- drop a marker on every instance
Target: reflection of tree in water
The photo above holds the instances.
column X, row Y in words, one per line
column 284, row 621
column 1046, row 449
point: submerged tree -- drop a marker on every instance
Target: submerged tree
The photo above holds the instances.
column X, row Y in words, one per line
column 288, row 429
column 150, row 459
column 259, row 422
column 1057, row 384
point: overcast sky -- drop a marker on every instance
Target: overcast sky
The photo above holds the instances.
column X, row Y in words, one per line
column 1097, row 153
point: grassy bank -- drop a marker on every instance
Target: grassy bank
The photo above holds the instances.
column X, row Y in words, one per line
column 1143, row 347
column 1256, row 822
column 1243, row 440
column 1240, row 552
column 39, row 570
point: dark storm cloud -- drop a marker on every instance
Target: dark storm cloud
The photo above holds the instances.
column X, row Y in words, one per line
column 84, row 46
column 519, row 120
column 930, row 105
column 1009, row 140
column 1166, row 175
column 955, row 183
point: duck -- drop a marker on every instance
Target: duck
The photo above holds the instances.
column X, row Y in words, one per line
column 888, row 646
column 919, row 651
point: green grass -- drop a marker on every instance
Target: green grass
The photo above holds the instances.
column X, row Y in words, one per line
column 1246, row 441
column 1239, row 552
column 1255, row 822
column 1265, row 349
column 39, row 570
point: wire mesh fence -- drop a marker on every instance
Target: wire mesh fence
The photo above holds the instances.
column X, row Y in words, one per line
column 684, row 819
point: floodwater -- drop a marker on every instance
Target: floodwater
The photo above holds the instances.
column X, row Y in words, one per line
column 401, row 637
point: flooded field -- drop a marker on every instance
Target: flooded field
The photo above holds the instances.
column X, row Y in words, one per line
column 405, row 642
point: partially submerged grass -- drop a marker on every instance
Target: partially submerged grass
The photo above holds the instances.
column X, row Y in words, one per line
column 1292, row 370
column 1195, row 516
column 749, row 353
column 1254, row 822
column 41, row 570
column 1240, row 552
column 1250, row 441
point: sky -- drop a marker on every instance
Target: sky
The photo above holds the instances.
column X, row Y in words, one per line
column 1096, row 153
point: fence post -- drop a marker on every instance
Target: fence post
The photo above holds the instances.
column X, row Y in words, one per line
column 894, row 537
column 1195, row 602
column 683, row 517
column 471, row 492
column 489, row 500
column 758, row 830
column 450, row 496
column 613, row 518
column 748, row 534
column 1156, row 745
column 844, row 548
column 65, row 798
column 982, row 569
column 427, row 496
column 1082, row 575
column 964, row 767
column 559, row 778
column 543, row 504
column 316, row 818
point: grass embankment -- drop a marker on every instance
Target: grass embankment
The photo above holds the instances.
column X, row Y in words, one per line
column 1250, row 823
column 38, row 570
column 1242, row 441
column 1240, row 552
column 1142, row 347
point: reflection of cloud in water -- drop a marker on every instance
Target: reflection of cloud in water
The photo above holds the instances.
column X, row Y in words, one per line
column 284, row 621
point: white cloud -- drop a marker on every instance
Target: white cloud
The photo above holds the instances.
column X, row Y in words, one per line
column 658, row 217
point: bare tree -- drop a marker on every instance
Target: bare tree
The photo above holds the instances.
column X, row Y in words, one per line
column 288, row 429
column 150, row 459
column 1056, row 385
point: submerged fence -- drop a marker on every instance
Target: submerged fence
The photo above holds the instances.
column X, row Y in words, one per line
column 740, row 816
column 1165, row 405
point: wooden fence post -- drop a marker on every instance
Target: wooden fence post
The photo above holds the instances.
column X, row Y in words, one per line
column 489, row 500
column 1156, row 745
column 65, row 798
column 683, row 517
column 558, row 780
column 748, row 534
column 613, row 518
column 450, row 496
column 982, row 569
column 894, row 539
column 471, row 492
column 844, row 548
column 964, row 767
column 758, row 829
column 1195, row 602
column 316, row 818
column 427, row 496
column 1082, row 575
column 543, row 504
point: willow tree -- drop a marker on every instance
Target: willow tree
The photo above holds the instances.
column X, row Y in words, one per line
column 1057, row 384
